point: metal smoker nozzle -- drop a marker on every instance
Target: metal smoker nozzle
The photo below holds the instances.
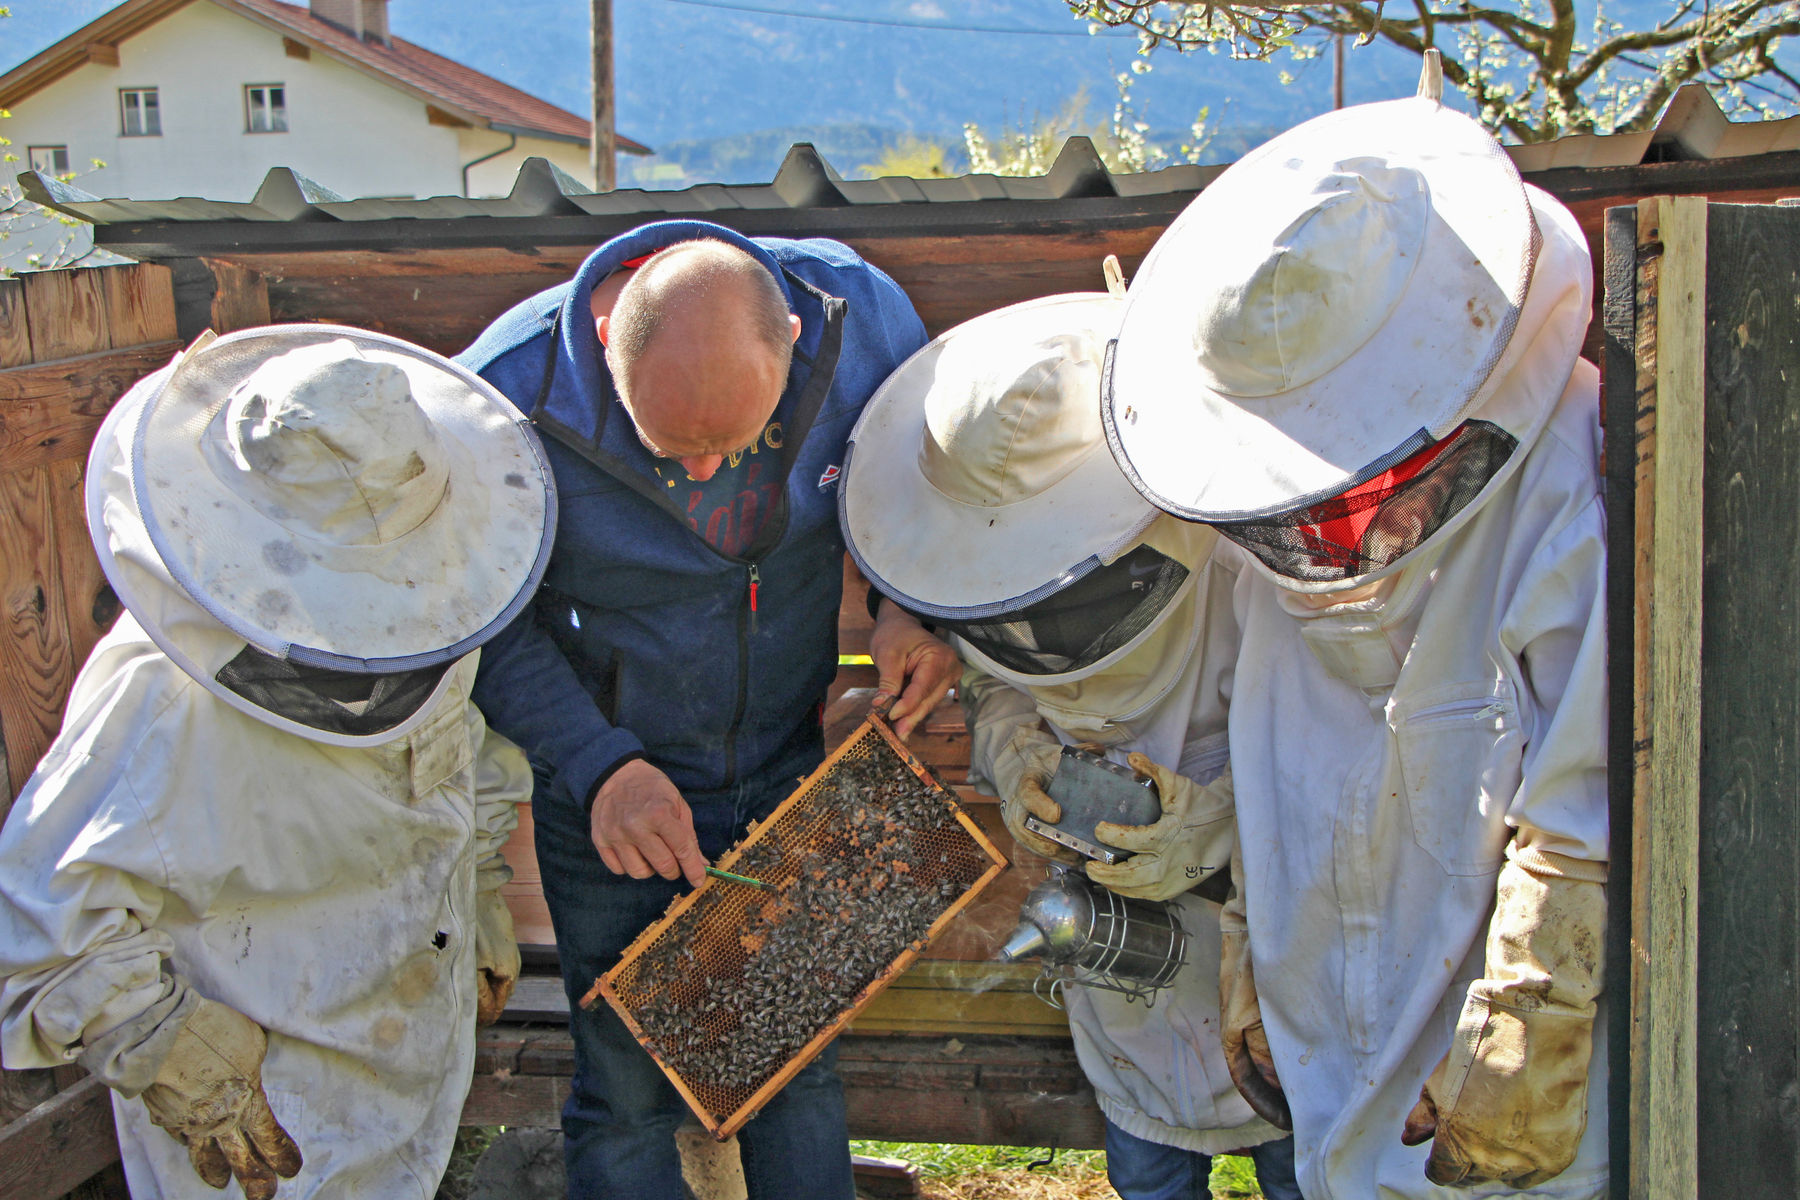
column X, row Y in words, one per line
column 1111, row 941
column 1025, row 941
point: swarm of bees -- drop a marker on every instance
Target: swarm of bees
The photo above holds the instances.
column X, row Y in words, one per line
column 744, row 980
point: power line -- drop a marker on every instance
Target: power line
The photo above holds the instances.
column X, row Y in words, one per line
column 892, row 24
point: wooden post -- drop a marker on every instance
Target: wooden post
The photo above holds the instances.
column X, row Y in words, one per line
column 602, row 149
column 1671, row 322
column 1747, row 1051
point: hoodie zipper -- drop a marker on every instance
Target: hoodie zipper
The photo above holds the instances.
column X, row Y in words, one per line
column 746, row 629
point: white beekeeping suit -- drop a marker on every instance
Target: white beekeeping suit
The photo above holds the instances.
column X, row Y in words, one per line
column 978, row 494
column 253, row 884
column 1379, row 401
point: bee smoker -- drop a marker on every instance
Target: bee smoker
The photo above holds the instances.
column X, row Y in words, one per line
column 1089, row 936
column 1091, row 789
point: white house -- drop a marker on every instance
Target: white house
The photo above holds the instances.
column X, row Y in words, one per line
column 203, row 97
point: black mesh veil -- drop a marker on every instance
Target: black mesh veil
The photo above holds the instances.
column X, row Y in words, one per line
column 1082, row 623
column 323, row 698
column 1373, row 524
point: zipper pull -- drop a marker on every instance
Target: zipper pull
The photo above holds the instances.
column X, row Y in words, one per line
column 755, row 582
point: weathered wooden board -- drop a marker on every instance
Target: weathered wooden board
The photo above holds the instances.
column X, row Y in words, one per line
column 50, row 411
column 90, row 603
column 66, row 313
column 1747, row 1046
column 59, row 1144
column 443, row 298
column 15, row 334
column 1619, row 404
column 1671, row 360
column 980, row 1089
column 140, row 304
column 35, row 659
column 240, row 297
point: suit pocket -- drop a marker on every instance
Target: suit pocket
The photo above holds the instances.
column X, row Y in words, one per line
column 1459, row 748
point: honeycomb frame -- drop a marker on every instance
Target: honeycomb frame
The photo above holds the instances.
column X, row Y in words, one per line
column 712, row 919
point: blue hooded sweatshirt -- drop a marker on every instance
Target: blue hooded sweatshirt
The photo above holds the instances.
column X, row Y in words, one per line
column 646, row 641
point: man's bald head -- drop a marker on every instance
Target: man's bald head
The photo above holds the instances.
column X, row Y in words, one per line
column 699, row 342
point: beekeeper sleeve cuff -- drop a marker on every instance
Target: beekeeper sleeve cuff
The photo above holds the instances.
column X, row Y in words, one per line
column 994, row 711
column 528, row 692
column 502, row 782
column 128, row 1057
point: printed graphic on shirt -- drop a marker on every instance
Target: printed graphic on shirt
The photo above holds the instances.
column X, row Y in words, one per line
column 829, row 477
column 729, row 509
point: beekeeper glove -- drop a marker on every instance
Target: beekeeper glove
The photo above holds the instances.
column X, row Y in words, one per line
column 1190, row 841
column 1247, row 1054
column 1508, row 1103
column 1022, row 773
column 496, row 945
column 1009, row 745
column 197, row 1066
column 208, row 1095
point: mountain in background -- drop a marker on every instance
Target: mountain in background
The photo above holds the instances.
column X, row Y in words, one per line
column 720, row 93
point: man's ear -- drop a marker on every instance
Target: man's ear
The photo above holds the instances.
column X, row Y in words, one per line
column 793, row 323
column 603, row 327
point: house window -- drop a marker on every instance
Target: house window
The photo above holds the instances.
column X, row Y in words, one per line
column 139, row 114
column 50, row 160
column 266, row 107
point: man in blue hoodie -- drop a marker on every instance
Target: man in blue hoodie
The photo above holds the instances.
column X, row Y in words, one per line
column 694, row 389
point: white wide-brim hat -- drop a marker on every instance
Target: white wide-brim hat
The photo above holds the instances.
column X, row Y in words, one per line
column 1331, row 304
column 977, row 478
column 334, row 497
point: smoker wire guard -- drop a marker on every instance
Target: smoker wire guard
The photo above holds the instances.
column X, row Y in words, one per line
column 874, row 732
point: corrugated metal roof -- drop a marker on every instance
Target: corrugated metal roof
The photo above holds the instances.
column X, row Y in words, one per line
column 1692, row 128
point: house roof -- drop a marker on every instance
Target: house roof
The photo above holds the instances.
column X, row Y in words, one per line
column 460, row 93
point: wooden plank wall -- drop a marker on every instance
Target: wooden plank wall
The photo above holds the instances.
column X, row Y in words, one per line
column 1747, row 1046
column 71, row 342
column 442, row 299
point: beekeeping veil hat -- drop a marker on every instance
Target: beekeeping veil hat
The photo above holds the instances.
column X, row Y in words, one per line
column 316, row 522
column 1327, row 314
column 978, row 493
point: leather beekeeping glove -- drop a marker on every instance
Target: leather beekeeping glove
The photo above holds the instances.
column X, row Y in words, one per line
column 1508, row 1104
column 1190, row 841
column 1007, row 742
column 1022, row 771
column 1240, row 1014
column 208, row 1095
column 496, row 945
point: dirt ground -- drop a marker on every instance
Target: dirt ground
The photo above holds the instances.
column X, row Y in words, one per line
column 947, row 1172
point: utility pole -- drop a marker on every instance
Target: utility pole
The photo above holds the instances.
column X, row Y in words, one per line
column 1337, row 70
column 601, row 155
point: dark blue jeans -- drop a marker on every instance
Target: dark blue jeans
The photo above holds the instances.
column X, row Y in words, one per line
column 1145, row 1170
column 620, row 1118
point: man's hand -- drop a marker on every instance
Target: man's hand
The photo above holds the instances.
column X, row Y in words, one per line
column 642, row 827
column 913, row 665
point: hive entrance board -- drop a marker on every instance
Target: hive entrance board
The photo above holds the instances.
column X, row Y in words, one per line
column 735, row 989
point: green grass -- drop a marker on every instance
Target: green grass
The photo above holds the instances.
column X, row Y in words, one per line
column 945, row 1161
column 1233, row 1177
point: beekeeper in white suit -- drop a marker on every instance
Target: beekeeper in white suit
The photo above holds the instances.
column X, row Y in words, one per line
column 979, row 495
column 1372, row 389
column 253, row 886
